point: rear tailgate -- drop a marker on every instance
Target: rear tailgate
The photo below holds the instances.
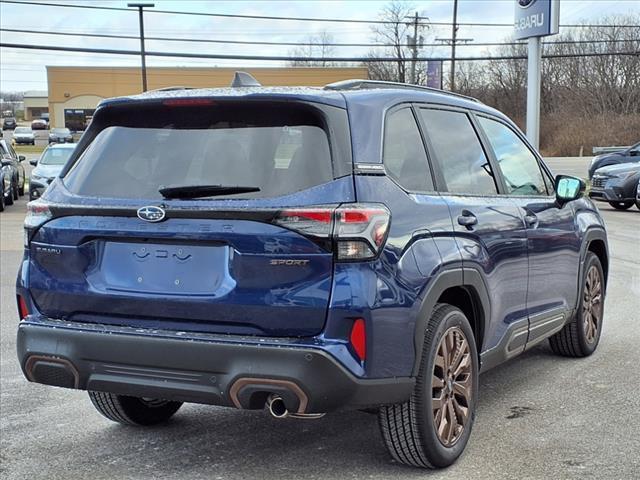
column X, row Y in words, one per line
column 220, row 265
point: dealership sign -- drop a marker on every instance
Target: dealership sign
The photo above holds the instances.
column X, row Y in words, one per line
column 536, row 18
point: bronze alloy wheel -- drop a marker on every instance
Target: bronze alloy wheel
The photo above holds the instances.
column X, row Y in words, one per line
column 592, row 304
column 451, row 386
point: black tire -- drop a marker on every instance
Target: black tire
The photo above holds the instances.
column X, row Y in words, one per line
column 621, row 205
column 133, row 410
column 1, row 198
column 572, row 340
column 21, row 188
column 16, row 190
column 8, row 199
column 408, row 429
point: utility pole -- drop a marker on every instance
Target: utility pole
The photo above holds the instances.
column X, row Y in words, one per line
column 415, row 43
column 454, row 33
column 141, row 7
column 414, row 47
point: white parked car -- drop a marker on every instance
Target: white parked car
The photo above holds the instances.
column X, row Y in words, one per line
column 24, row 135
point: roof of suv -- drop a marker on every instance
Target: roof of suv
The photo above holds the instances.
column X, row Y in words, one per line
column 363, row 92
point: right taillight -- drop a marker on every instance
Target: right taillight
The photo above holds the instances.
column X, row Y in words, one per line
column 358, row 230
column 361, row 230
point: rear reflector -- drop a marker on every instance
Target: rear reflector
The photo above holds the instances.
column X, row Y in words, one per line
column 358, row 339
column 23, row 309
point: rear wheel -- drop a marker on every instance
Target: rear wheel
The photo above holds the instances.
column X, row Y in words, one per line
column 580, row 337
column 621, row 205
column 21, row 187
column 432, row 429
column 2, row 197
column 8, row 196
column 133, row 410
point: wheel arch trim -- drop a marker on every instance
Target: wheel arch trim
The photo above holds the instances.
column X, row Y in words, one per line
column 467, row 278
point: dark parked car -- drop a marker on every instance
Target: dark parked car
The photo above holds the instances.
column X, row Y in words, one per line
column 9, row 123
column 48, row 166
column 6, row 185
column 60, row 135
column 39, row 124
column 14, row 161
column 616, row 184
column 631, row 154
column 364, row 245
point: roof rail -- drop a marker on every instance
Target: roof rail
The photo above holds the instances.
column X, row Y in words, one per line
column 358, row 84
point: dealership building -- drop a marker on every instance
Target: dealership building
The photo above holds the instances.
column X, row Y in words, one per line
column 35, row 104
column 74, row 92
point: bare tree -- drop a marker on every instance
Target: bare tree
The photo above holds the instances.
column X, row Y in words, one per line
column 315, row 46
column 585, row 100
column 395, row 35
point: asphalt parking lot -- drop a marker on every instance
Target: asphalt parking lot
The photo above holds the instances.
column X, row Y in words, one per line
column 539, row 416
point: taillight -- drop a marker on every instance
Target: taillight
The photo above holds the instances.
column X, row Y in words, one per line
column 23, row 308
column 358, row 230
column 358, row 339
column 187, row 102
column 317, row 222
column 38, row 213
column 361, row 231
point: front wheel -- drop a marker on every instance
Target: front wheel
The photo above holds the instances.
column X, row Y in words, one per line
column 580, row 337
column 621, row 205
column 432, row 429
column 133, row 410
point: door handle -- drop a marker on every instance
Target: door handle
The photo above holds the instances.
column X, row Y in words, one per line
column 467, row 219
column 530, row 219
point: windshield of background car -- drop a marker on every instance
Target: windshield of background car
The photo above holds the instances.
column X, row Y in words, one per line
column 61, row 131
column 280, row 150
column 23, row 130
column 55, row 156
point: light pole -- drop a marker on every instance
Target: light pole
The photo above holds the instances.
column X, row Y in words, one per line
column 141, row 7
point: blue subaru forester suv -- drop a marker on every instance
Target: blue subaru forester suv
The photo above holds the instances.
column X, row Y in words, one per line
column 364, row 245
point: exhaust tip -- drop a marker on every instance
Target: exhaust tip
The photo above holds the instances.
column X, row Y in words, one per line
column 277, row 408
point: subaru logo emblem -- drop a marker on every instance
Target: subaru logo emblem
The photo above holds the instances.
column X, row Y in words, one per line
column 151, row 214
column 525, row 3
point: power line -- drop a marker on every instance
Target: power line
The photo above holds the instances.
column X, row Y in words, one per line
column 321, row 44
column 294, row 58
column 298, row 19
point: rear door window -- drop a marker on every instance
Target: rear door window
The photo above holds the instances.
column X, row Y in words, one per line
column 518, row 165
column 404, row 157
column 458, row 151
column 278, row 150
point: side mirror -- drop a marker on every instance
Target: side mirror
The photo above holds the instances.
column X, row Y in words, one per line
column 21, row 158
column 34, row 161
column 568, row 188
column 635, row 153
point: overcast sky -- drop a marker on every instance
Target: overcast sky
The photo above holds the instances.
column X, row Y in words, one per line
column 22, row 70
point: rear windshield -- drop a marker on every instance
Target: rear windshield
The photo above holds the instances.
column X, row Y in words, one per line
column 279, row 149
column 55, row 156
column 23, row 130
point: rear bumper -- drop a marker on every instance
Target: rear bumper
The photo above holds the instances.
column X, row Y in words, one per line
column 210, row 370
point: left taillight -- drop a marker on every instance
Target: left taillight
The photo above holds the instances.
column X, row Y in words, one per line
column 38, row 213
column 23, row 307
column 358, row 230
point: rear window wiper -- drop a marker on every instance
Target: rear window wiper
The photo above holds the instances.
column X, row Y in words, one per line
column 199, row 191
